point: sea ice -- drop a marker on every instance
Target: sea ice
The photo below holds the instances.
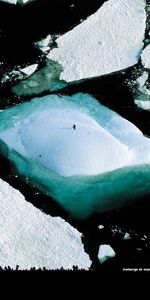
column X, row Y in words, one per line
column 29, row 70
column 86, row 167
column 145, row 57
column 44, row 79
column 142, row 96
column 109, row 40
column 31, row 239
column 105, row 252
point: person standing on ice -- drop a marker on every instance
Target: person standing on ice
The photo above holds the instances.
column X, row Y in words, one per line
column 74, row 126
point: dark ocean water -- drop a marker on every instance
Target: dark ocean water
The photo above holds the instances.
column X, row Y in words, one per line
column 19, row 28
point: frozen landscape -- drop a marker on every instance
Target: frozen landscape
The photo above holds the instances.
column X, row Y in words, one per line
column 74, row 134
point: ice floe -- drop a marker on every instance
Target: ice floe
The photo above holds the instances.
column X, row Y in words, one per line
column 29, row 70
column 43, row 44
column 145, row 57
column 142, row 96
column 108, row 41
column 31, row 239
column 105, row 252
column 101, row 164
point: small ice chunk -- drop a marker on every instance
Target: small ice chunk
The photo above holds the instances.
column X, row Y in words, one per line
column 142, row 80
column 145, row 57
column 100, row 226
column 29, row 70
column 105, row 252
column 143, row 104
column 44, row 43
column 127, row 236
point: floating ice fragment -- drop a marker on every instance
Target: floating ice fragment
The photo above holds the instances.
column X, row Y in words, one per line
column 127, row 236
column 105, row 252
column 145, row 57
column 31, row 239
column 101, row 164
column 29, row 70
column 119, row 25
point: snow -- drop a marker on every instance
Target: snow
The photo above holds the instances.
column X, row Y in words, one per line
column 145, row 57
column 29, row 238
column 64, row 150
column 105, row 252
column 102, row 165
column 108, row 41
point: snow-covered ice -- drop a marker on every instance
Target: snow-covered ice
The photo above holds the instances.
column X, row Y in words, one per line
column 94, row 168
column 109, row 40
column 142, row 80
column 142, row 97
column 43, row 44
column 105, row 252
column 87, row 150
column 29, row 70
column 90, row 148
column 29, row 238
column 143, row 104
column 145, row 57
